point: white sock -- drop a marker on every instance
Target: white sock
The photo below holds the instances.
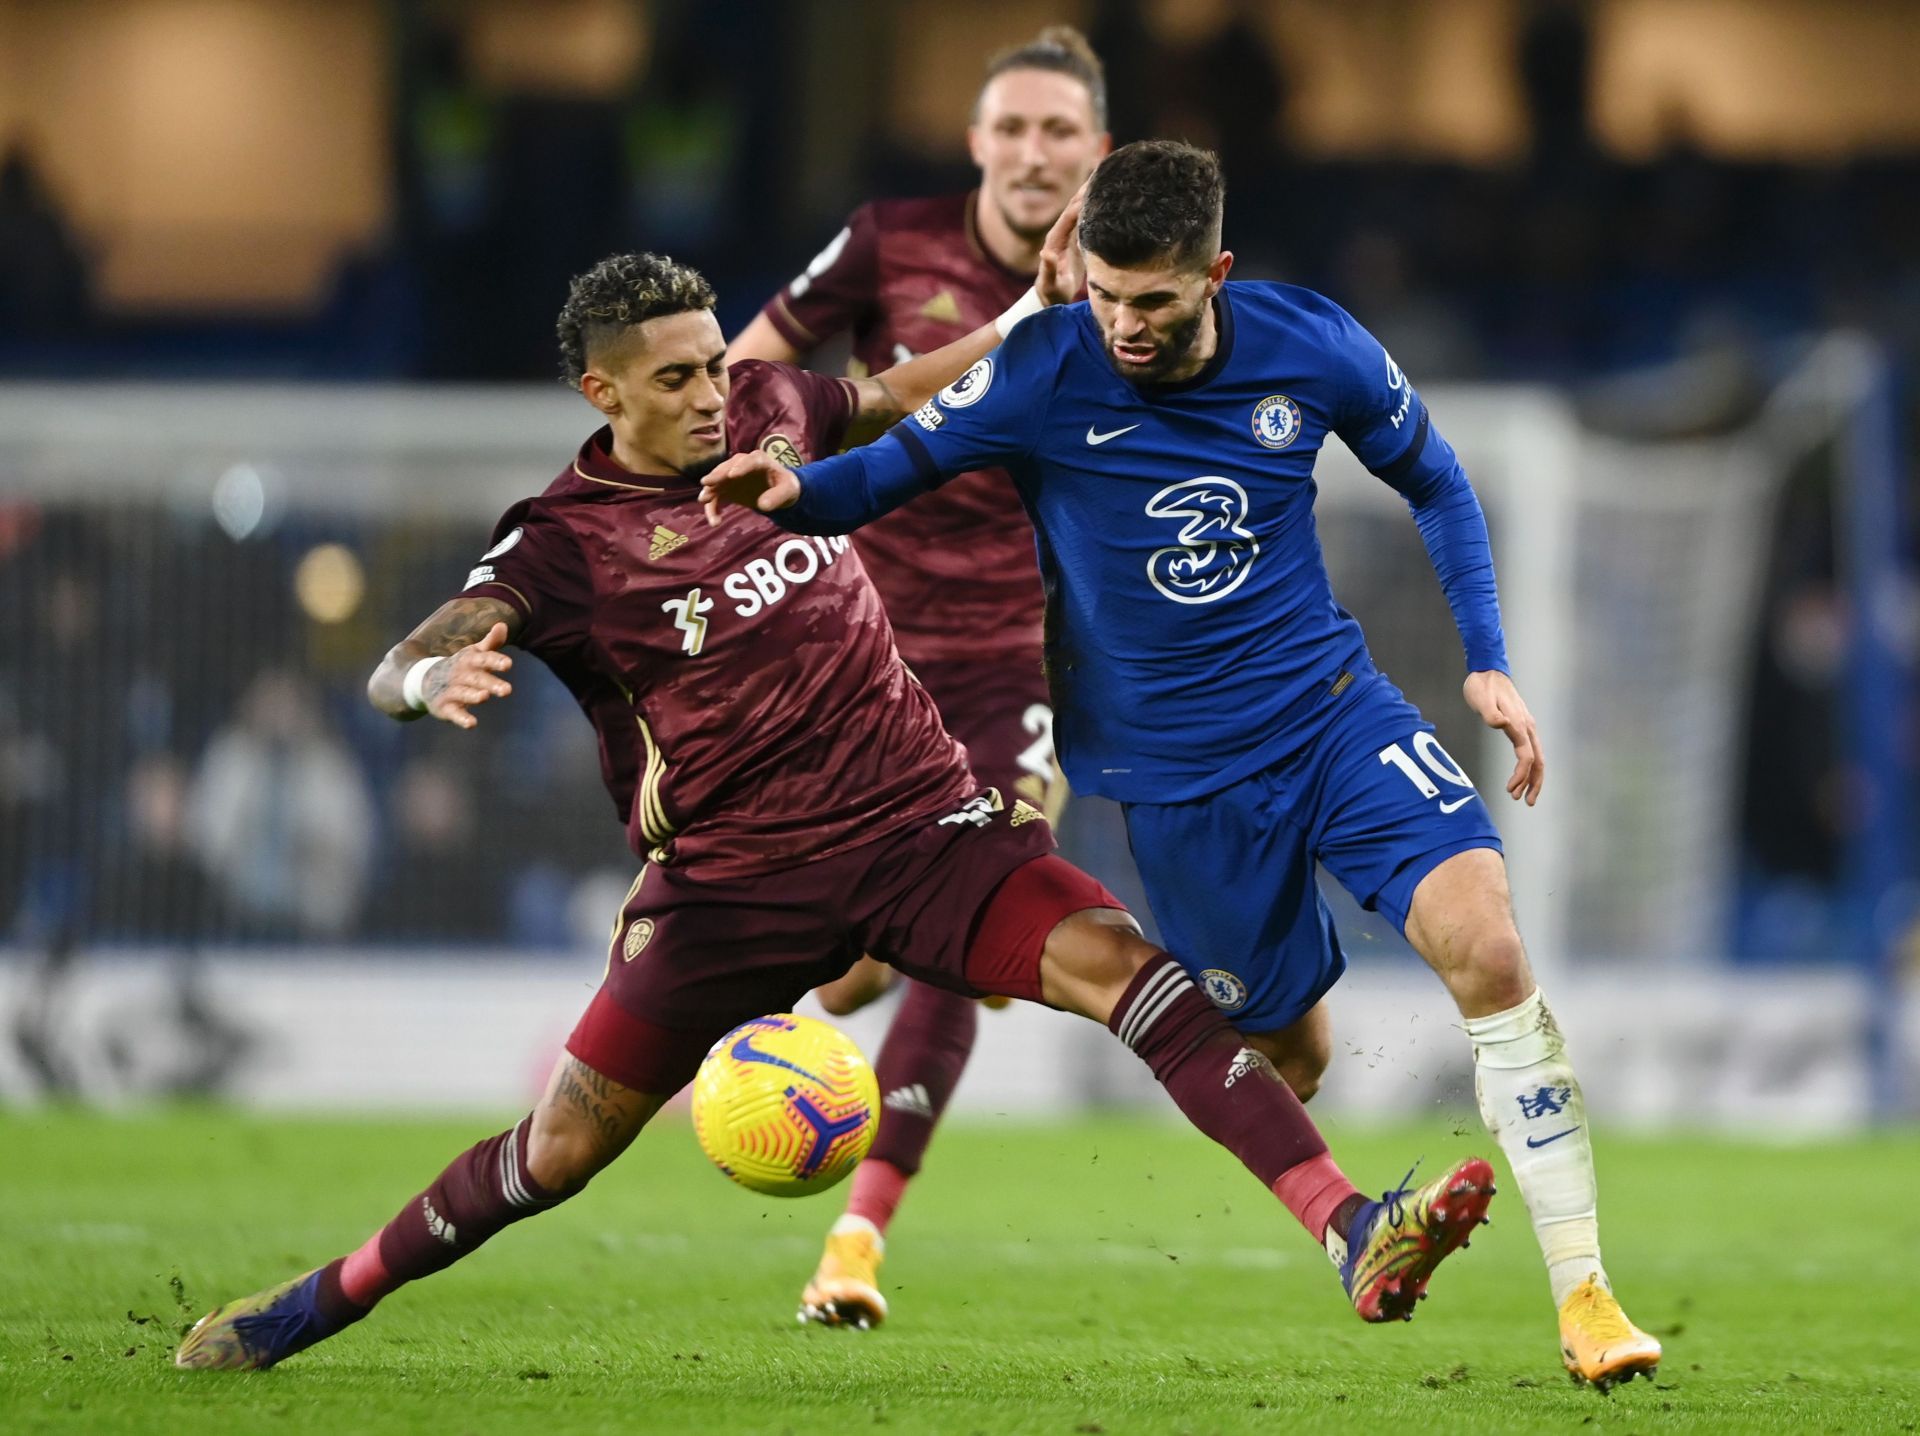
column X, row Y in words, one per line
column 1531, row 1103
column 848, row 1222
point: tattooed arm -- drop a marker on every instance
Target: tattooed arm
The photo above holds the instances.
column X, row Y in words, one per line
column 468, row 633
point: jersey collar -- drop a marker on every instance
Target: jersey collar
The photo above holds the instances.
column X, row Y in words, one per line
column 595, row 464
column 1222, row 351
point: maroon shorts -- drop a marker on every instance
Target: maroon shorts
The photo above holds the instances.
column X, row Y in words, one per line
column 1003, row 713
column 964, row 902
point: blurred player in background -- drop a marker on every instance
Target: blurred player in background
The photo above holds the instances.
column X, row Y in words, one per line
column 1163, row 436
column 956, row 568
column 796, row 802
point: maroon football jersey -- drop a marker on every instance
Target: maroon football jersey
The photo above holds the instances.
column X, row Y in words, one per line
column 751, row 707
column 956, row 566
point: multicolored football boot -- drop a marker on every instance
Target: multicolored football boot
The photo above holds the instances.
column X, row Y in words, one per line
column 845, row 1290
column 256, row 1331
column 1394, row 1244
column 1597, row 1342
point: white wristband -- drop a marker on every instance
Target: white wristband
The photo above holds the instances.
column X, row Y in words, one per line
column 1028, row 303
column 412, row 688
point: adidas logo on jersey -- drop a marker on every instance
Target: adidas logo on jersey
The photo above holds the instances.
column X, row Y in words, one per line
column 911, row 1099
column 665, row 541
column 1023, row 812
column 942, row 307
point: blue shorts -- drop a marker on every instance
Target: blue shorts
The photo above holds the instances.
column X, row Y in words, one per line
column 1231, row 877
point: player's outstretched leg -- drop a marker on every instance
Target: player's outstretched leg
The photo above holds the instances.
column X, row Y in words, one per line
column 1095, row 962
column 919, row 1066
column 583, row 1122
column 1461, row 921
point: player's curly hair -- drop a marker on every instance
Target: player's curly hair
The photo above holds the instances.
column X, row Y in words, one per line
column 1154, row 200
column 619, row 292
column 1063, row 50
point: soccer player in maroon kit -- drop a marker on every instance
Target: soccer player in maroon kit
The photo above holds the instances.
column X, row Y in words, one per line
column 796, row 803
column 956, row 567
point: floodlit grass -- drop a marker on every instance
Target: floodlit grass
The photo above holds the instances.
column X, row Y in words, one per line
column 1108, row 1275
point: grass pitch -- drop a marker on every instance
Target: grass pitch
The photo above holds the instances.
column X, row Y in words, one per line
column 1099, row 1276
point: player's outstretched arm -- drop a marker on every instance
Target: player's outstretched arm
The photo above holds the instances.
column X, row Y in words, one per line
column 760, row 340
column 889, row 396
column 449, row 664
column 1491, row 694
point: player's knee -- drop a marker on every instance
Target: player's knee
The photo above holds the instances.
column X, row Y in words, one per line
column 1300, row 1056
column 1090, row 958
column 837, row 1001
column 854, row 989
column 562, row 1161
column 579, row 1128
column 1495, row 969
column 1302, row 1078
column 1302, row 1070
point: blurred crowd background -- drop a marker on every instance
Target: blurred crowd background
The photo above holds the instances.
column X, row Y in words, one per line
column 1649, row 204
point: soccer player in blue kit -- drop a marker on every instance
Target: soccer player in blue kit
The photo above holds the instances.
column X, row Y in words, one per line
column 1162, row 437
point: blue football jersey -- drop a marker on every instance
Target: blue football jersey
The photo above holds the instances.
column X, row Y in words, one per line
column 1192, row 633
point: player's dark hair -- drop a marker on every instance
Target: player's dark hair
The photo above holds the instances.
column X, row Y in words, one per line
column 1154, row 200
column 619, row 292
column 1063, row 50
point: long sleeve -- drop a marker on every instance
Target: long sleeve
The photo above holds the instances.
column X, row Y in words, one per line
column 1451, row 524
column 1379, row 406
column 842, row 493
column 991, row 415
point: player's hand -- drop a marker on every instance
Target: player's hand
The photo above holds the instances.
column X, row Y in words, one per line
column 1063, row 272
column 1491, row 694
column 753, row 480
column 468, row 677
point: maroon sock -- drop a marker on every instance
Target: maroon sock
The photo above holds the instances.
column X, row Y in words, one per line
column 920, row 1064
column 1225, row 1088
column 485, row 1188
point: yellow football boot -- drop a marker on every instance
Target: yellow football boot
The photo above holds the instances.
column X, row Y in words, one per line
column 254, row 1332
column 845, row 1290
column 1600, row 1346
column 1395, row 1243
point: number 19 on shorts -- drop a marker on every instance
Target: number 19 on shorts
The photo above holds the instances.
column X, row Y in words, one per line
column 1432, row 759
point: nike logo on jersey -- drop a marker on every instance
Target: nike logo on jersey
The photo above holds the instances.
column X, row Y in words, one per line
column 1096, row 438
column 1456, row 804
column 1543, row 1141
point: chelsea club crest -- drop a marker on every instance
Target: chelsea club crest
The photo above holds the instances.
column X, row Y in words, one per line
column 1223, row 989
column 1276, row 421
